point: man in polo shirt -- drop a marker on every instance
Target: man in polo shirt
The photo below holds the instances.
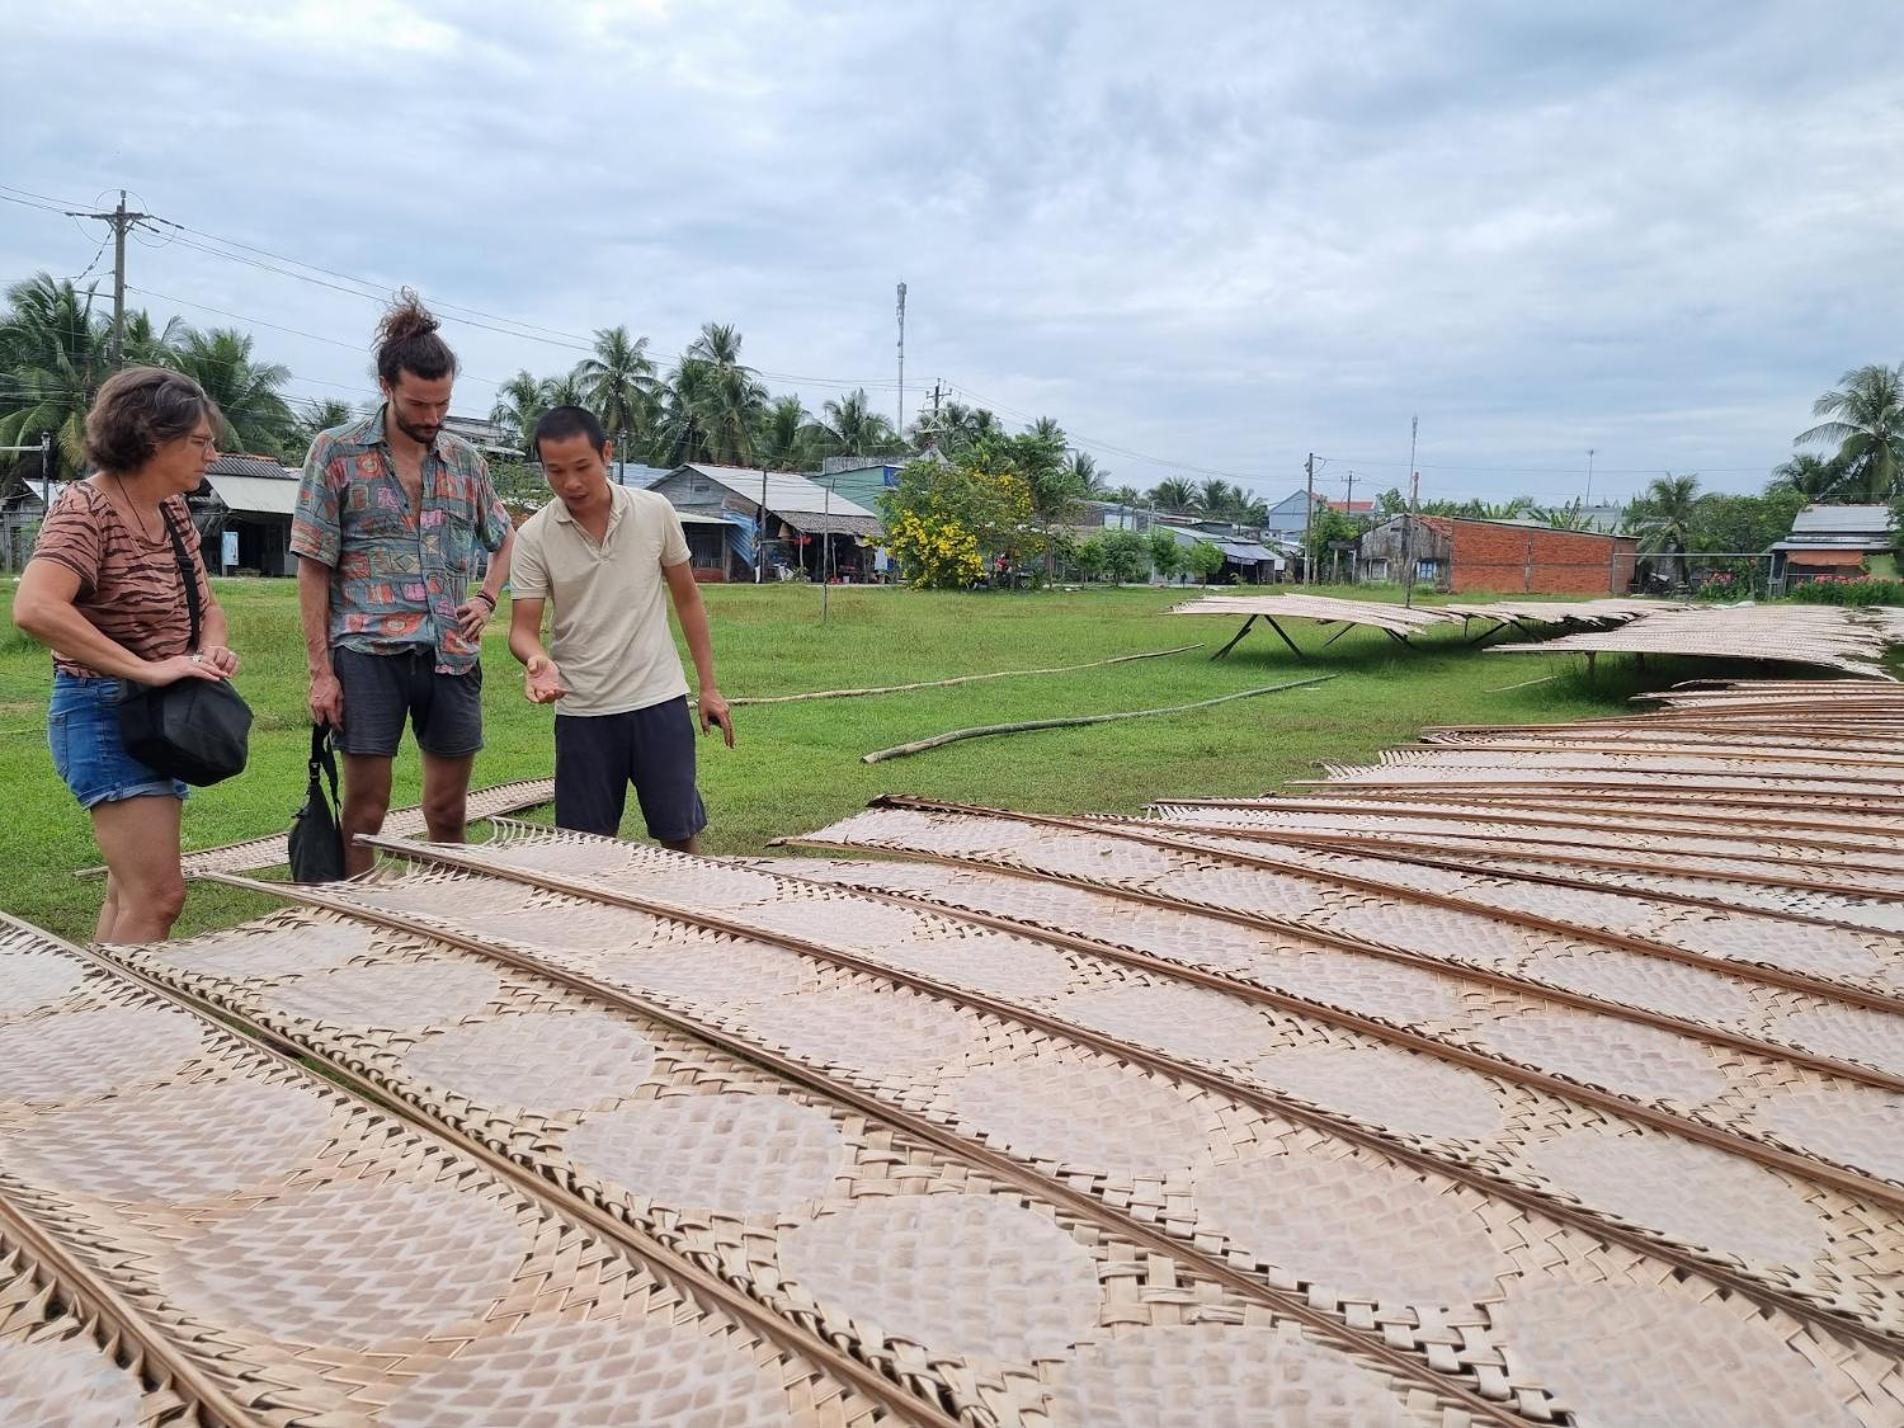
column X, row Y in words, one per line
column 603, row 554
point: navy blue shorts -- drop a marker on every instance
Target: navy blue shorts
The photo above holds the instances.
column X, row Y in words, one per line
column 598, row 755
column 383, row 691
column 82, row 729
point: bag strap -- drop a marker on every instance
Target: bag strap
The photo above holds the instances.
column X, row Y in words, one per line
column 322, row 759
column 186, row 573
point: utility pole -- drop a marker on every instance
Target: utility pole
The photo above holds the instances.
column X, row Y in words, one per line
column 1309, row 524
column 122, row 223
column 1349, row 500
column 1589, row 500
column 760, row 533
column 1414, row 514
column 902, row 360
column 826, row 548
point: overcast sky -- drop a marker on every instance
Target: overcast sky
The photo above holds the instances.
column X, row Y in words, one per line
column 1207, row 238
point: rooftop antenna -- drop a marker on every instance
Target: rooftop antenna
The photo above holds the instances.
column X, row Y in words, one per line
column 902, row 360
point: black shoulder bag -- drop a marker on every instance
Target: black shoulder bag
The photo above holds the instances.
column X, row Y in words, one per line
column 192, row 729
column 316, row 842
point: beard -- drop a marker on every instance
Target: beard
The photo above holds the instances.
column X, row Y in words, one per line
column 424, row 434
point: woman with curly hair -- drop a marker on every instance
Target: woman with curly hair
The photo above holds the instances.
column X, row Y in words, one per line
column 106, row 592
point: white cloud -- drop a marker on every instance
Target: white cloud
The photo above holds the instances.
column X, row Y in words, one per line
column 1221, row 233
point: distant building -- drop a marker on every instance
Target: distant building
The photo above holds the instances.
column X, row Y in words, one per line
column 1835, row 541
column 1246, row 560
column 633, row 473
column 1456, row 554
column 861, row 481
column 243, row 510
column 490, row 438
column 803, row 525
column 1289, row 517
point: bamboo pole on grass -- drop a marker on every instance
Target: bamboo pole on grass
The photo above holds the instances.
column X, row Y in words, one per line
column 919, row 746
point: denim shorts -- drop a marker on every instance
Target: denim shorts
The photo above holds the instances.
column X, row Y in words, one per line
column 82, row 728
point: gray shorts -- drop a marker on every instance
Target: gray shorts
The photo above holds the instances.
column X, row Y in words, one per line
column 598, row 755
column 381, row 691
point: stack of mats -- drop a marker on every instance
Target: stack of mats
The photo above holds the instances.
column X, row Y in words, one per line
column 1379, row 1105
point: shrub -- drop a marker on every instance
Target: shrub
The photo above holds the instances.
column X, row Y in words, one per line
column 1854, row 590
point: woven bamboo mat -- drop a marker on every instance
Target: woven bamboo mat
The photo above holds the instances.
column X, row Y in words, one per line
column 1450, row 831
column 1850, row 640
column 1731, row 985
column 55, row 1368
column 1135, row 1014
column 825, row 1214
column 321, row 1262
column 1143, row 1144
column 272, row 851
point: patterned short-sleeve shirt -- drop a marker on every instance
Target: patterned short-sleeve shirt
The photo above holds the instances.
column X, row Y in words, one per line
column 397, row 575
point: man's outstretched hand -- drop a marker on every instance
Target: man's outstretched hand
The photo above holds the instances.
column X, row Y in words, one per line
column 542, row 681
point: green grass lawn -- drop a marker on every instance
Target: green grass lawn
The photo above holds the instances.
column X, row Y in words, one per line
column 797, row 766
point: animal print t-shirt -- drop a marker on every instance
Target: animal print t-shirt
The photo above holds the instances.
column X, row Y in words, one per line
column 129, row 585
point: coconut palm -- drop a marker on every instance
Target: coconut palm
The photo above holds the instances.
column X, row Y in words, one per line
column 789, row 438
column 1215, row 497
column 1175, row 495
column 1867, row 427
column 248, row 392
column 1090, row 477
column 1662, row 517
column 52, row 360
column 1126, row 496
column 1813, row 477
column 318, row 416
column 853, row 428
column 520, row 403
column 618, row 384
column 146, row 346
column 568, row 390
column 728, row 398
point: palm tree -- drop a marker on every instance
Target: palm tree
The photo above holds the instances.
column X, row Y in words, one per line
column 249, row 393
column 1813, row 477
column 1175, row 495
column 1663, row 517
column 1127, row 496
column 520, row 403
column 789, row 439
column 148, row 348
column 1215, row 498
column 319, row 416
column 52, row 360
column 730, row 398
column 565, row 391
column 853, row 428
column 618, row 384
column 1867, row 425
column 1089, row 476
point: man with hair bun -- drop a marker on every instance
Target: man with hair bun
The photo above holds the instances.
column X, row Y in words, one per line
column 389, row 516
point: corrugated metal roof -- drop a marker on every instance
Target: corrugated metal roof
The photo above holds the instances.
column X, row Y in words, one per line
column 1842, row 520
column 255, row 495
column 236, row 463
column 785, row 492
column 1244, row 551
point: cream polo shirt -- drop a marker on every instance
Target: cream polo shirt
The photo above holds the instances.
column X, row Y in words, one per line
column 609, row 635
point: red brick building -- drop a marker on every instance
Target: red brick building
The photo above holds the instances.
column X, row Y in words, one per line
column 1504, row 557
